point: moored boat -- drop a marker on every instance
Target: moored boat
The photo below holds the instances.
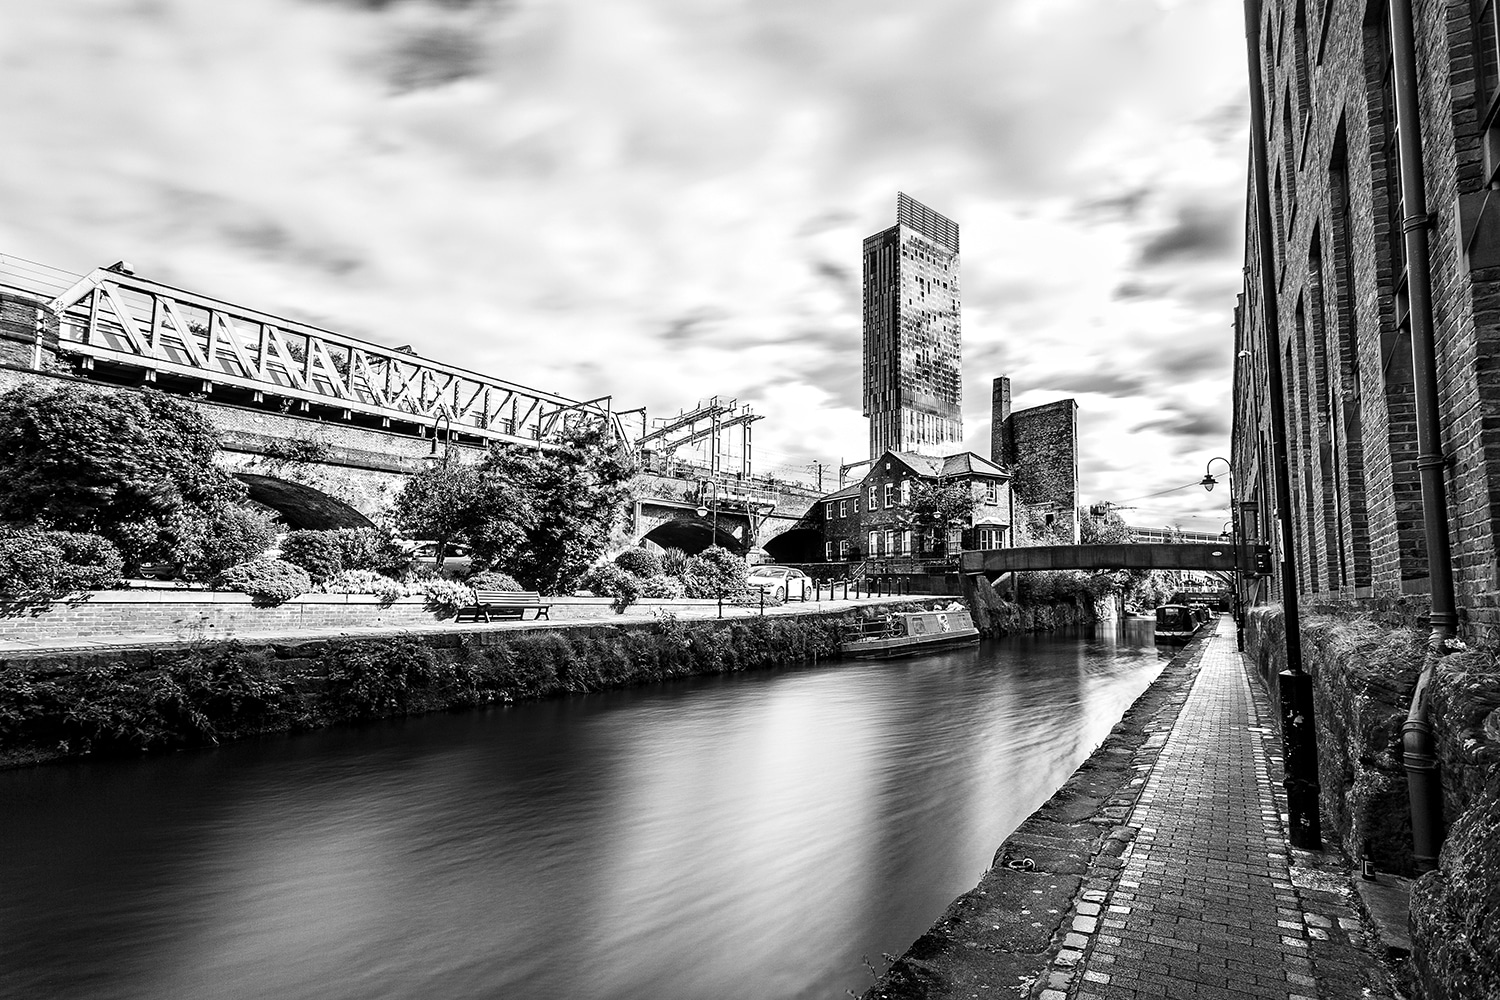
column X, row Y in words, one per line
column 1178, row 622
column 907, row 632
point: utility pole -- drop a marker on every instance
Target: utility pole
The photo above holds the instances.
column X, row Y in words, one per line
column 818, row 468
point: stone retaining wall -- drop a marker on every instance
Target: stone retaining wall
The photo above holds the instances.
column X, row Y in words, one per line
column 1364, row 669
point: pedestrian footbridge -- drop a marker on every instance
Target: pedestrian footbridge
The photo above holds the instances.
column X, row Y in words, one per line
column 1152, row 555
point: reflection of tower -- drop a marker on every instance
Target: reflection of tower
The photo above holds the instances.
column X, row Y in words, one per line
column 913, row 389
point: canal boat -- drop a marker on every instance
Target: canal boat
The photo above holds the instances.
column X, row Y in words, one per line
column 1178, row 622
column 906, row 632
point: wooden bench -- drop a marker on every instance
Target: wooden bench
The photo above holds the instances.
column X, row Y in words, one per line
column 491, row 604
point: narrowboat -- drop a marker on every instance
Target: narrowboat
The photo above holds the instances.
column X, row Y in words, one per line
column 1177, row 623
column 908, row 632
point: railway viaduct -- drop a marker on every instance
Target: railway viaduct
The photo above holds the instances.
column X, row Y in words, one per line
column 325, row 428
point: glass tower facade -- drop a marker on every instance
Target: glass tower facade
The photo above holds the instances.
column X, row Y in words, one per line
column 913, row 392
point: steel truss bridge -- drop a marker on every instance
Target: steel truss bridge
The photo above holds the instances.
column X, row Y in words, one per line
column 121, row 326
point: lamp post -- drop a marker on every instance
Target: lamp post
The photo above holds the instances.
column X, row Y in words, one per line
column 704, row 511
column 432, row 454
column 1208, row 482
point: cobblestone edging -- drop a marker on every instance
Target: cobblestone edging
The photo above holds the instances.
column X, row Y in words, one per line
column 1022, row 930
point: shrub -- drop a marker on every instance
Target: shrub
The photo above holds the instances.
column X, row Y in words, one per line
column 318, row 552
column 238, row 533
column 713, row 572
column 673, row 561
column 493, row 579
column 372, row 549
column 446, row 597
column 663, row 587
column 609, row 580
column 39, row 565
column 269, row 581
column 642, row 562
column 627, row 592
column 364, row 581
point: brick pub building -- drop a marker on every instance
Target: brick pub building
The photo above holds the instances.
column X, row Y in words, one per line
column 1350, row 304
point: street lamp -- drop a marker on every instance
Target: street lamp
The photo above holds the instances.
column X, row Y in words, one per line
column 1208, row 482
column 703, row 511
column 432, row 454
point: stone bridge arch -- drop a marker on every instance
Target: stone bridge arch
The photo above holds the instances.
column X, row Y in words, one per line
column 302, row 506
column 679, row 526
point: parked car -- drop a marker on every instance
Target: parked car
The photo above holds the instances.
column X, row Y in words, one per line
column 455, row 564
column 785, row 583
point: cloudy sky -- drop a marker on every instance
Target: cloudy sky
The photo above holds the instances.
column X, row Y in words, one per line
column 664, row 199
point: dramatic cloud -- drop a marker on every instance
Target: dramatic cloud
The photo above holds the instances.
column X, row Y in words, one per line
column 665, row 199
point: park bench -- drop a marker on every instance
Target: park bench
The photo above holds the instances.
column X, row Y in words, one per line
column 491, row 604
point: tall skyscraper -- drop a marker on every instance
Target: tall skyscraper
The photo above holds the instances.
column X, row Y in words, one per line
column 913, row 389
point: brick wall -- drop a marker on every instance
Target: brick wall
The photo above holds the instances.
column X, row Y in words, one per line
column 1045, row 464
column 1356, row 506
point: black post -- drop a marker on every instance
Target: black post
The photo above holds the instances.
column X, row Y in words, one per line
column 762, row 601
column 1299, row 743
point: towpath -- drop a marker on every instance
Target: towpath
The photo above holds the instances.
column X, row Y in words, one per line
column 1211, row 902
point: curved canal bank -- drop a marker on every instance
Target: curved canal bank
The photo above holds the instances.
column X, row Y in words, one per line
column 755, row 835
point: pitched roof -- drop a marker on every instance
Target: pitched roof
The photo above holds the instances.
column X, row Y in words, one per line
column 964, row 463
column 851, row 490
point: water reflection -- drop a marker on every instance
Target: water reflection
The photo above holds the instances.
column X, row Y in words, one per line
column 749, row 837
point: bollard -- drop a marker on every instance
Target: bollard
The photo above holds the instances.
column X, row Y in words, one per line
column 762, row 601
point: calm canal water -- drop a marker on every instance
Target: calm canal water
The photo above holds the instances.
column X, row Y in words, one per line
column 745, row 838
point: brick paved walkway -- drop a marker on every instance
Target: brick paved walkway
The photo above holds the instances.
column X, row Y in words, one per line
column 1210, row 902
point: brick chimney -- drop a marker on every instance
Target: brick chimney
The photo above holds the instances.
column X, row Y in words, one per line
column 1000, row 421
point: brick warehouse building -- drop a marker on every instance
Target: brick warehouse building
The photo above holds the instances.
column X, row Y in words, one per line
column 1026, row 493
column 1339, row 240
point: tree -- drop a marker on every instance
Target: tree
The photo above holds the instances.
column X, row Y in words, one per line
column 1109, row 529
column 134, row 467
column 543, row 516
column 443, row 503
column 936, row 505
column 548, row 515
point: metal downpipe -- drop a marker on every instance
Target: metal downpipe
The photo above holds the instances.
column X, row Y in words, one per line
column 1298, row 732
column 1424, row 786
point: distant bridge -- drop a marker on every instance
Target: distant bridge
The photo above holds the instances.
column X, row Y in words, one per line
column 1150, row 555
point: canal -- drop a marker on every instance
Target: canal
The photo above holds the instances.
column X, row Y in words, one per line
column 753, row 837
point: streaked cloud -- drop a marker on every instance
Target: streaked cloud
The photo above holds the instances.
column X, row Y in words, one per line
column 664, row 199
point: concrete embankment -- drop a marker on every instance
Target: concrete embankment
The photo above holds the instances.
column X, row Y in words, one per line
column 134, row 699
column 999, row 938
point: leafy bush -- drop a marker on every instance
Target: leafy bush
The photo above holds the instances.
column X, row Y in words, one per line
column 236, row 534
column 714, row 572
column 640, row 561
column 663, row 587
column 446, row 597
column 135, row 467
column 609, row 580
column 39, row 565
column 269, row 581
column 627, row 592
column 673, row 561
column 364, row 581
column 318, row 552
column 493, row 579
column 373, row 549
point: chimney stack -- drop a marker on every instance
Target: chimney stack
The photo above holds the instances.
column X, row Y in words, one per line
column 1000, row 421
